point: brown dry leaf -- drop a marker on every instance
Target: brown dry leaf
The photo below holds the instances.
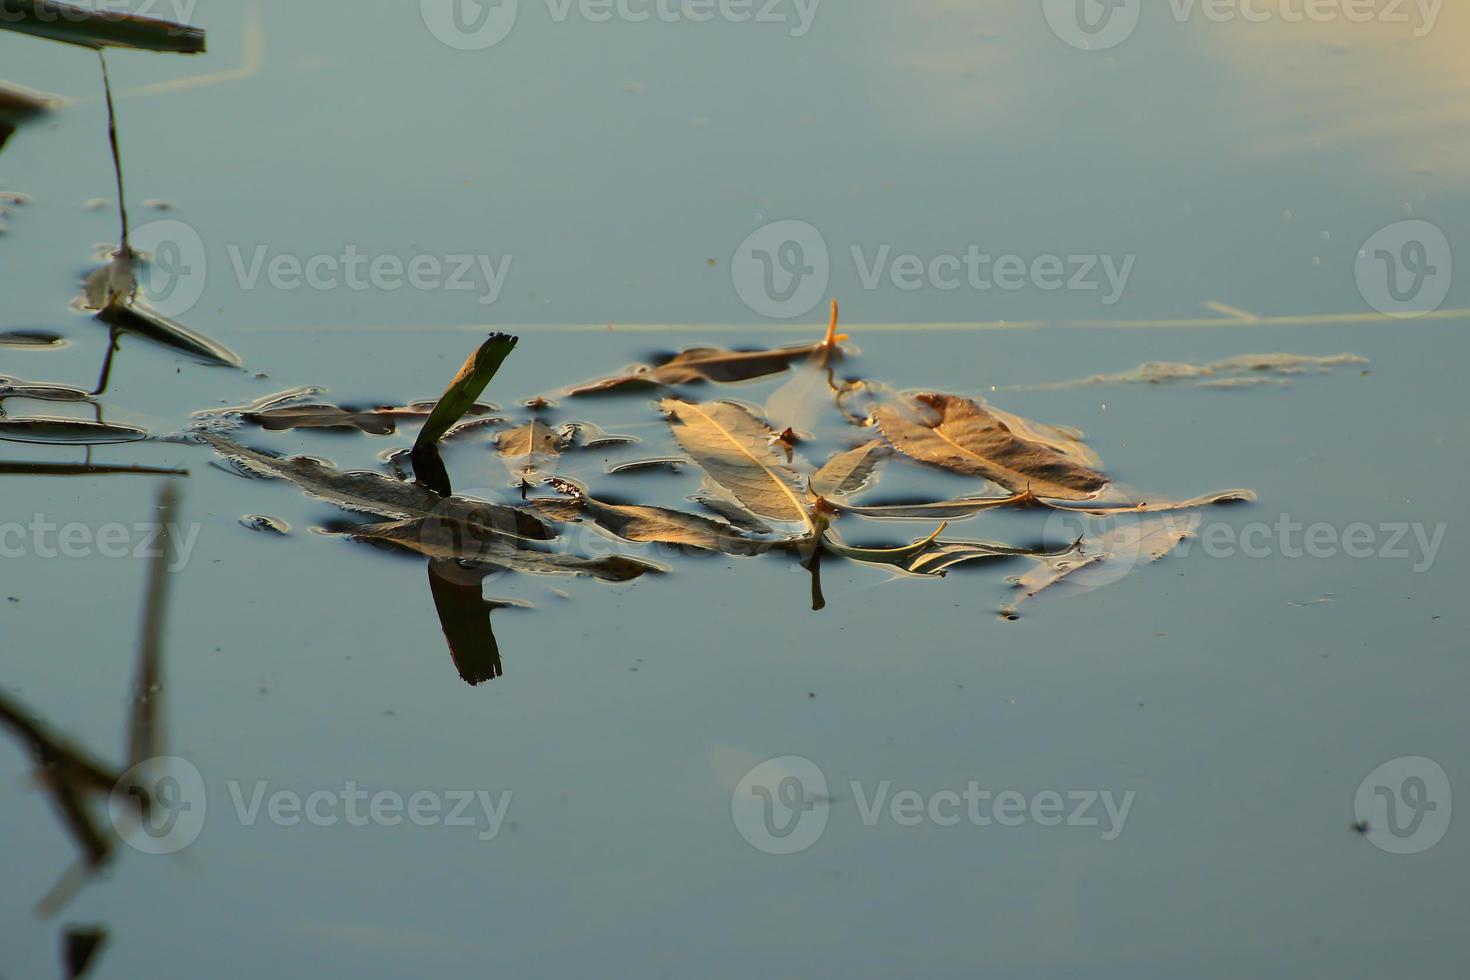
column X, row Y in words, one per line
column 529, row 442
column 849, row 472
column 529, row 451
column 960, row 435
column 735, row 449
column 653, row 525
column 716, row 364
column 701, row 364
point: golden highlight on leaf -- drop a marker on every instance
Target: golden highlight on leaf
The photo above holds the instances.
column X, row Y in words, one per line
column 735, row 449
column 959, row 435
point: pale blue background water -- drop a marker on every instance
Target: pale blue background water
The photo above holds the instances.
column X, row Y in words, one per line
column 612, row 161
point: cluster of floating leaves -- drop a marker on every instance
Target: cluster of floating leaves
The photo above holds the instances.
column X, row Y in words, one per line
column 779, row 479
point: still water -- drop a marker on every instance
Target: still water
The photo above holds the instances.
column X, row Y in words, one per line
column 999, row 211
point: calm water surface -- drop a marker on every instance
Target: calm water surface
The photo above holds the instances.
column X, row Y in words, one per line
column 1240, row 700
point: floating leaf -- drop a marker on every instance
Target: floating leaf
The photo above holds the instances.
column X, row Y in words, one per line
column 30, row 338
column 466, row 541
column 734, row 448
column 588, row 436
column 135, row 317
column 653, row 525
column 374, row 493
column 958, row 434
column 375, row 422
column 968, row 507
column 713, row 364
column 59, row 431
column 732, row 512
column 12, row 388
column 882, row 556
column 98, row 29
column 1097, row 561
column 529, row 447
column 674, row 463
column 849, row 472
column 1224, row 373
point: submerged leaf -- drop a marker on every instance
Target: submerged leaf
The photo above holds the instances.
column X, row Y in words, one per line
column 652, row 525
column 850, row 472
column 735, row 449
column 467, row 541
column 98, row 29
column 374, row 493
column 1224, row 373
column 960, row 435
column 798, row 403
column 1097, row 561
